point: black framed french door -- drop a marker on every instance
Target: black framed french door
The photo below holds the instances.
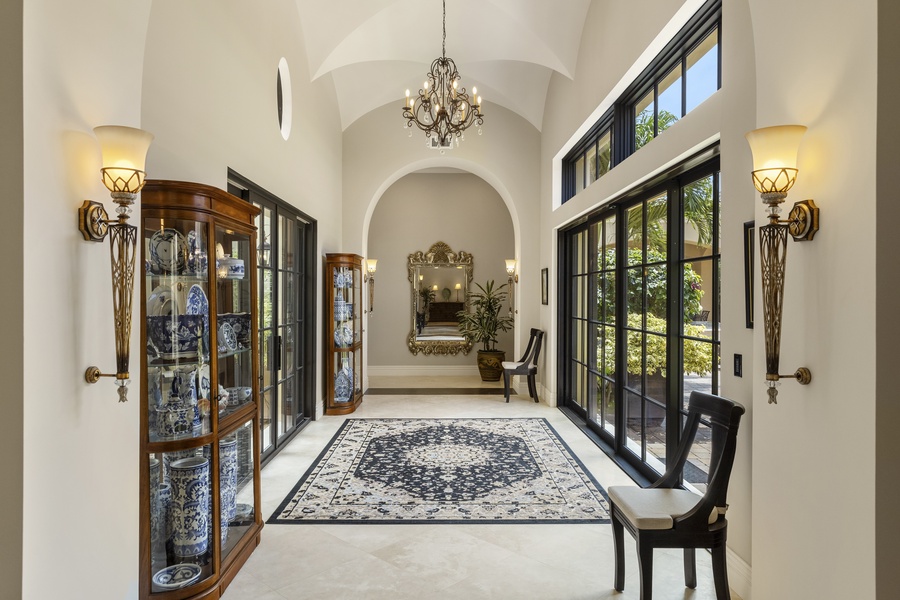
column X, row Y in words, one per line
column 639, row 320
column 286, row 307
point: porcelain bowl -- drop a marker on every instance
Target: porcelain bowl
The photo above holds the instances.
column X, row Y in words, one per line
column 177, row 335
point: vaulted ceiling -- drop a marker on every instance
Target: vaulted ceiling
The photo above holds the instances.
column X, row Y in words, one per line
column 377, row 49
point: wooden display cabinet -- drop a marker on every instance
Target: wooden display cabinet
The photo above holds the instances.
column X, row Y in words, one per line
column 343, row 333
column 199, row 468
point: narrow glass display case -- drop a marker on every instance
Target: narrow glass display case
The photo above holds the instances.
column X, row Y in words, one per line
column 200, row 517
column 343, row 333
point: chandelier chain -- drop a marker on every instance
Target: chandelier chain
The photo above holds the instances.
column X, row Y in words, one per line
column 444, row 42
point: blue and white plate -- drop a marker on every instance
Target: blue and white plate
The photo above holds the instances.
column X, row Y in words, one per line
column 168, row 251
column 176, row 576
column 196, row 303
column 227, row 338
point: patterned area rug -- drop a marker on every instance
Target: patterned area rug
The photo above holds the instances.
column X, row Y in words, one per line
column 445, row 471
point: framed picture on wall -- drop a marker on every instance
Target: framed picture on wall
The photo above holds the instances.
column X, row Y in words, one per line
column 749, row 230
column 545, row 286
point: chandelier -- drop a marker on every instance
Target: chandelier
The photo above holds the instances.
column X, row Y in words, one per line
column 443, row 109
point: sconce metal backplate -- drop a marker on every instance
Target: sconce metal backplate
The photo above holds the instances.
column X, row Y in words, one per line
column 803, row 221
column 93, row 221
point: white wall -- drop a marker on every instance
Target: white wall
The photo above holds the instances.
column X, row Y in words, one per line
column 209, row 96
column 81, row 69
column 611, row 55
column 377, row 152
column 814, row 457
column 461, row 210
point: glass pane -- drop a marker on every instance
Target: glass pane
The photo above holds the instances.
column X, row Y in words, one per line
column 267, row 415
column 266, row 314
column 633, row 425
column 669, row 100
column 656, row 368
column 656, row 436
column 698, row 297
column 591, row 165
column 603, row 154
column 644, row 126
column 635, row 293
column 698, row 363
column 288, row 297
column 267, row 357
column 697, row 208
column 609, row 353
column 180, row 511
column 609, row 293
column 288, row 336
column 634, row 353
column 634, row 224
column 287, row 229
column 579, row 174
column 657, row 298
column 579, row 298
column 657, row 229
column 288, row 405
column 607, row 398
column 238, row 513
column 702, row 71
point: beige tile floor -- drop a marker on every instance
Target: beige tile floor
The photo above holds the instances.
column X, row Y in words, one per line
column 372, row 562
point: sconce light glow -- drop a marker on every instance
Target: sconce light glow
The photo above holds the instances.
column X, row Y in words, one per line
column 124, row 151
column 371, row 264
column 370, row 277
column 775, row 157
column 510, row 266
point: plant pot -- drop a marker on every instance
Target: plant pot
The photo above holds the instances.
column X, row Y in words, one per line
column 490, row 364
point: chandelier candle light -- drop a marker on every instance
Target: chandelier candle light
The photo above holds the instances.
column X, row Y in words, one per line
column 774, row 172
column 443, row 109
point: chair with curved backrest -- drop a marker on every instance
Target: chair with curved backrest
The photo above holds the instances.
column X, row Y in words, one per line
column 527, row 365
column 666, row 515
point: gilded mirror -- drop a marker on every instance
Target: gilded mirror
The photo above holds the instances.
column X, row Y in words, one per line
column 439, row 281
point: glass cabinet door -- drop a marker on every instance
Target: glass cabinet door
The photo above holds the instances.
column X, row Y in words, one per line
column 178, row 323
column 233, row 336
column 236, row 486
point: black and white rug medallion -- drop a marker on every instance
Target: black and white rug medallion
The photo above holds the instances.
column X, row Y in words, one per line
column 445, row 471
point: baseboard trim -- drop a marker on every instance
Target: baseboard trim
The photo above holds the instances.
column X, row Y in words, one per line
column 421, row 370
column 739, row 574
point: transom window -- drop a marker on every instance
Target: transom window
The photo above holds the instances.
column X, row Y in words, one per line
column 680, row 78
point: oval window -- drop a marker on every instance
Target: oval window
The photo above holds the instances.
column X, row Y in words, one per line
column 283, row 92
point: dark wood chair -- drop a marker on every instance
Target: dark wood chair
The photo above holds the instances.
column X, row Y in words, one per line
column 527, row 365
column 666, row 515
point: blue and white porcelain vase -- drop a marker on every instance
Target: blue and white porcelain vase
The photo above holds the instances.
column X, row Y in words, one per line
column 340, row 307
column 343, row 382
column 160, row 522
column 227, row 482
column 189, row 479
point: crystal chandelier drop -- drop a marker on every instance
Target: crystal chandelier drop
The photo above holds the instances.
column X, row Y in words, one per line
column 443, row 109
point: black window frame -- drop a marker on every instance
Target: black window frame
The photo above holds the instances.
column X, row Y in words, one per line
column 620, row 117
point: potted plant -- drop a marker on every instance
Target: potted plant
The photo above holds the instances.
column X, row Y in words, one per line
column 481, row 324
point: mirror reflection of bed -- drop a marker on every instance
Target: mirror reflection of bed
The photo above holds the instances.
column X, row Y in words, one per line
column 441, row 322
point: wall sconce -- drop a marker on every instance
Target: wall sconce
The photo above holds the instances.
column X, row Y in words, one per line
column 124, row 152
column 457, row 287
column 370, row 278
column 512, row 279
column 774, row 172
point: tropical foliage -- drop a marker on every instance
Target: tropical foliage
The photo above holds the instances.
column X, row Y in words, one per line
column 485, row 320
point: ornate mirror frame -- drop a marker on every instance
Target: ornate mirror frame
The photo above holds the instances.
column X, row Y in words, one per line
column 439, row 255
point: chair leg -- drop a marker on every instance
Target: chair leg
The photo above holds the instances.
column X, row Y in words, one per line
column 645, row 566
column 619, row 551
column 506, row 384
column 720, row 573
column 690, row 568
column 532, row 385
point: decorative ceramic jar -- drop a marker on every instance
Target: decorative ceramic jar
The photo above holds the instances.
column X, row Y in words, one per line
column 227, row 481
column 189, row 479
